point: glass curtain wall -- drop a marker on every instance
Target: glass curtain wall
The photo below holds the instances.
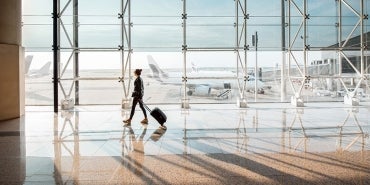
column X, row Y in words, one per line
column 157, row 43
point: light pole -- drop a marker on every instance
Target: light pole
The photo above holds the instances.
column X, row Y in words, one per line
column 255, row 43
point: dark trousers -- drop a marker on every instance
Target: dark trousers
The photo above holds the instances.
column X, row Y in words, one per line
column 134, row 102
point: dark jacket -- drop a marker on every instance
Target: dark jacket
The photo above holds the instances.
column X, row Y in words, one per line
column 138, row 87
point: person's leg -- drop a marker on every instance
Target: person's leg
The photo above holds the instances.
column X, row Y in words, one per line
column 134, row 102
column 145, row 120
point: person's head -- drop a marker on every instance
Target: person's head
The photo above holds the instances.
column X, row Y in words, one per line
column 137, row 72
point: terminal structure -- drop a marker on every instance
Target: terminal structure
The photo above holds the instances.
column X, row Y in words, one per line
column 295, row 50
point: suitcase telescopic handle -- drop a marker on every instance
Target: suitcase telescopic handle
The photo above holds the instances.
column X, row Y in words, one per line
column 146, row 107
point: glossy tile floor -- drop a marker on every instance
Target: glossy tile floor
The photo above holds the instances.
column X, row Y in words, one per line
column 267, row 143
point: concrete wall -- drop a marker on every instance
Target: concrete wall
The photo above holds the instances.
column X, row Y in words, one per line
column 11, row 81
column 11, row 60
column 10, row 22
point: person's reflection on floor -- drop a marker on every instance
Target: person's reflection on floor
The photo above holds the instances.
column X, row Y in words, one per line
column 137, row 154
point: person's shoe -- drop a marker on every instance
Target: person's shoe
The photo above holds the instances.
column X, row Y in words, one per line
column 145, row 121
column 127, row 122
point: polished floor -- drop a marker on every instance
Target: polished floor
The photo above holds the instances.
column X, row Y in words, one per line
column 266, row 143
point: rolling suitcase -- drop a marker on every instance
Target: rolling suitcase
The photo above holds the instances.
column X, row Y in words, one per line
column 157, row 114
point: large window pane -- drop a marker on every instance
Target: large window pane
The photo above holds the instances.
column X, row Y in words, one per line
column 157, row 32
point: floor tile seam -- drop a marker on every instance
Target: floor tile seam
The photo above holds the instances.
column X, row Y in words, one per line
column 210, row 110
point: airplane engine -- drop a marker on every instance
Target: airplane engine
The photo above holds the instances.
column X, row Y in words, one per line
column 202, row 90
column 227, row 85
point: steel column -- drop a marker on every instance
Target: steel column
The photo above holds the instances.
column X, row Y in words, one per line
column 241, row 63
column 55, row 52
column 297, row 99
column 340, row 37
column 351, row 97
column 185, row 100
column 123, row 48
column 362, row 32
column 246, row 46
column 76, row 51
column 283, row 48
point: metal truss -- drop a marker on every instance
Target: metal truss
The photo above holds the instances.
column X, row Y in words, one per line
column 241, row 40
column 125, row 51
column 292, row 42
column 240, row 46
column 294, row 46
column 303, row 75
column 361, row 74
column 185, row 100
column 59, row 77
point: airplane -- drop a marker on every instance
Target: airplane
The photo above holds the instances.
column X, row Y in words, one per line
column 43, row 71
column 218, row 83
column 28, row 61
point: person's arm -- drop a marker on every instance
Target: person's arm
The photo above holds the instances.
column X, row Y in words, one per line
column 139, row 86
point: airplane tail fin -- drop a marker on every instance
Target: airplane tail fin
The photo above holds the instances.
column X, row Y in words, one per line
column 44, row 70
column 154, row 68
column 27, row 62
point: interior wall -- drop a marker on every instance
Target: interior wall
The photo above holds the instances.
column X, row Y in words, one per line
column 11, row 61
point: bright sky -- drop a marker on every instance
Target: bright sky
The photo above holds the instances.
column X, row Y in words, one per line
column 151, row 30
